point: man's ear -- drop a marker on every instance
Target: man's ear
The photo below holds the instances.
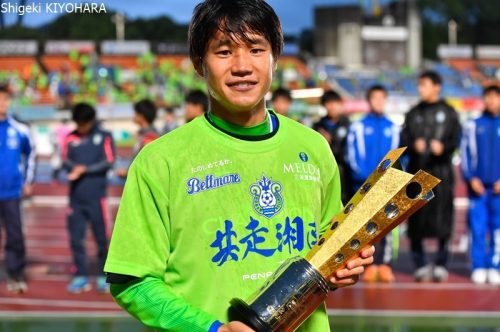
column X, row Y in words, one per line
column 275, row 65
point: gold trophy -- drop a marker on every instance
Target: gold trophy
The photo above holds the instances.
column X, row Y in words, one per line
column 387, row 198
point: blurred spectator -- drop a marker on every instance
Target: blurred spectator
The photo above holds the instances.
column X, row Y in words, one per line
column 481, row 170
column 169, row 121
column 432, row 131
column 144, row 117
column 334, row 127
column 88, row 154
column 368, row 142
column 58, row 138
column 196, row 104
column 282, row 100
column 17, row 153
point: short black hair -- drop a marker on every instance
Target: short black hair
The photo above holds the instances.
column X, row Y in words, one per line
column 147, row 109
column 432, row 75
column 373, row 88
column 197, row 97
column 83, row 113
column 235, row 18
column 281, row 92
column 330, row 95
column 4, row 89
column 491, row 89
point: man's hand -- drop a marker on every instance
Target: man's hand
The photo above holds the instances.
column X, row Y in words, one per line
column 27, row 190
column 437, row 147
column 77, row 172
column 477, row 186
column 496, row 187
column 121, row 172
column 355, row 267
column 420, row 145
column 235, row 327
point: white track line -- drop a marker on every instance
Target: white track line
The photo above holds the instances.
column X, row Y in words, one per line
column 24, row 315
column 426, row 286
column 44, row 200
column 59, row 303
column 413, row 313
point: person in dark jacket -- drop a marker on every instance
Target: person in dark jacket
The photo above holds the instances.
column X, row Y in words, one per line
column 144, row 117
column 432, row 132
column 88, row 154
column 334, row 127
column 17, row 170
column 481, row 170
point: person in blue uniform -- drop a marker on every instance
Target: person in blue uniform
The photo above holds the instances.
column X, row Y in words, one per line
column 368, row 141
column 481, row 170
column 16, row 176
column 87, row 156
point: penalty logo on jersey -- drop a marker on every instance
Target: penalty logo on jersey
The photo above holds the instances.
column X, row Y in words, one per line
column 267, row 200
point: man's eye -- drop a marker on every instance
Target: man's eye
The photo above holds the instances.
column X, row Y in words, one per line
column 257, row 50
column 224, row 53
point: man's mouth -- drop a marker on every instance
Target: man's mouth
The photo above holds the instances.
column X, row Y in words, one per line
column 242, row 85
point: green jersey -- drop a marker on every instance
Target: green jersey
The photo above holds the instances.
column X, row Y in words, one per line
column 213, row 216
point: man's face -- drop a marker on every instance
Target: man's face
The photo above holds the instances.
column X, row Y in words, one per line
column 138, row 119
column 492, row 102
column 427, row 90
column 377, row 101
column 238, row 75
column 281, row 105
column 4, row 104
column 334, row 108
column 83, row 128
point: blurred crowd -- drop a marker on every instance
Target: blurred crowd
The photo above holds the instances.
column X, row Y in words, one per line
column 431, row 131
column 83, row 77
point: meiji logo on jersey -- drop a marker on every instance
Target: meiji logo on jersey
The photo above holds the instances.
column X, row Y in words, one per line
column 266, row 197
column 196, row 185
column 303, row 170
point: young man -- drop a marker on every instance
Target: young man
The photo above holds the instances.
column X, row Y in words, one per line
column 87, row 156
column 368, row 141
column 17, row 153
column 334, row 127
column 144, row 117
column 432, row 132
column 281, row 100
column 195, row 104
column 212, row 208
column 481, row 170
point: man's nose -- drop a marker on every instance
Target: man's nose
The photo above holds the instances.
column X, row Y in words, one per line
column 242, row 64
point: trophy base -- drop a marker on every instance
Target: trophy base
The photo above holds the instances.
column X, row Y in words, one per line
column 242, row 312
column 284, row 301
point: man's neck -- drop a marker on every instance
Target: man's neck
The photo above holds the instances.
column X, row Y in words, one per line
column 3, row 117
column 432, row 100
column 245, row 119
